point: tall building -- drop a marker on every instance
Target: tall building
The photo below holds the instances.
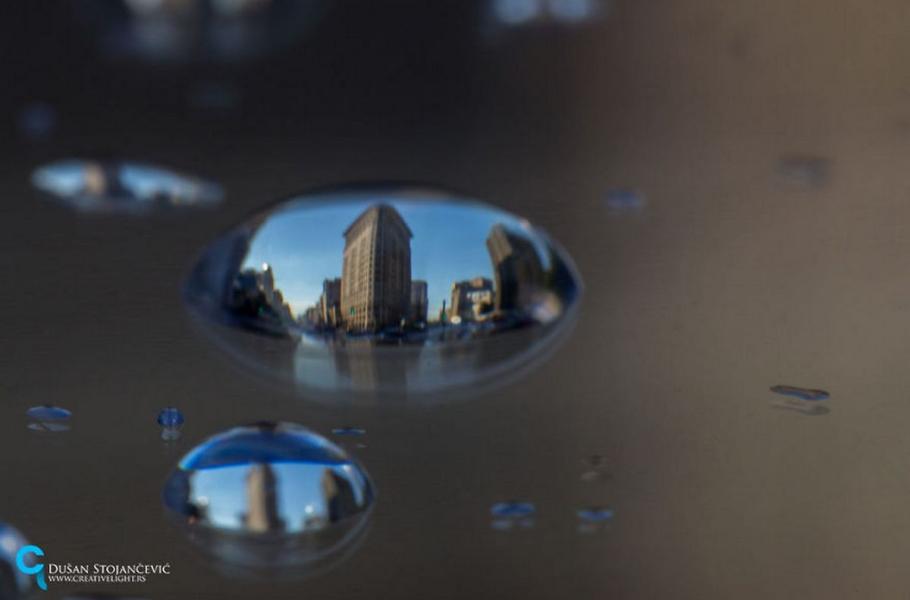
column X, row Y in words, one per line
column 376, row 273
column 516, row 267
column 262, row 500
column 472, row 299
column 330, row 302
column 419, row 301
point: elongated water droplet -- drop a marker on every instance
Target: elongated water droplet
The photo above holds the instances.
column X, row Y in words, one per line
column 387, row 289
column 48, row 418
column 800, row 393
column 271, row 497
column 123, row 187
column 348, row 430
column 622, row 201
column 595, row 514
column 14, row 584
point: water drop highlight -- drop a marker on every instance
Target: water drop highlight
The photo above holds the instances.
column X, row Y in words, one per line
column 122, row 187
column 388, row 289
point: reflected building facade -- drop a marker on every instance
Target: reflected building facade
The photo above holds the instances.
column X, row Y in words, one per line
column 472, row 299
column 330, row 302
column 376, row 271
column 516, row 267
column 262, row 500
column 419, row 302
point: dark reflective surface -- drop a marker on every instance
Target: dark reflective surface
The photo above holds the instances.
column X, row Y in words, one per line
column 386, row 289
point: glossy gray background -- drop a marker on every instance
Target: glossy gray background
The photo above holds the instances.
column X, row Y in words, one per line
column 732, row 279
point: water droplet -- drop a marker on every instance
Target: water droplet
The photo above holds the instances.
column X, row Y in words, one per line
column 804, row 171
column 198, row 30
column 624, row 201
column 48, row 418
column 349, row 431
column 271, row 497
column 595, row 514
column 128, row 187
column 171, row 420
column 37, row 121
column 387, row 289
column 513, row 509
column 512, row 514
column 14, row 584
column 800, row 393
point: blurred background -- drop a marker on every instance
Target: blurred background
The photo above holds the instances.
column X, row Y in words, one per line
column 730, row 178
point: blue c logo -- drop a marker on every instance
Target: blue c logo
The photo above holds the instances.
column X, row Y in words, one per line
column 37, row 570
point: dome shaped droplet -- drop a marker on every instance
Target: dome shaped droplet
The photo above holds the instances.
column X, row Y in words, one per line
column 271, row 497
column 14, row 584
column 385, row 289
column 123, row 187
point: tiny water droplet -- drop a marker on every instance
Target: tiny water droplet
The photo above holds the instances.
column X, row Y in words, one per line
column 123, row 187
column 49, row 418
column 512, row 514
column 356, row 290
column 804, row 171
column 349, row 431
column 623, row 201
column 171, row 420
column 14, row 584
column 595, row 514
column 270, row 498
column 513, row 509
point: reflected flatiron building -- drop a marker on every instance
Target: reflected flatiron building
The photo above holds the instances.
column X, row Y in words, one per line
column 376, row 272
column 262, row 500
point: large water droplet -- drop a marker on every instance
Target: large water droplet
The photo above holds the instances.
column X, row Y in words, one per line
column 800, row 393
column 14, row 584
column 48, row 418
column 388, row 289
column 271, row 497
column 111, row 186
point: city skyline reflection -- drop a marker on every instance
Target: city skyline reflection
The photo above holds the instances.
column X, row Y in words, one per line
column 395, row 288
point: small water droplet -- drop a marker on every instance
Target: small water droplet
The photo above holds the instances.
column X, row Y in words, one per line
column 37, row 121
column 512, row 514
column 171, row 420
column 804, row 171
column 270, row 497
column 356, row 290
column 624, row 201
column 125, row 187
column 349, row 431
column 49, row 418
column 14, row 584
column 801, row 393
column 595, row 514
